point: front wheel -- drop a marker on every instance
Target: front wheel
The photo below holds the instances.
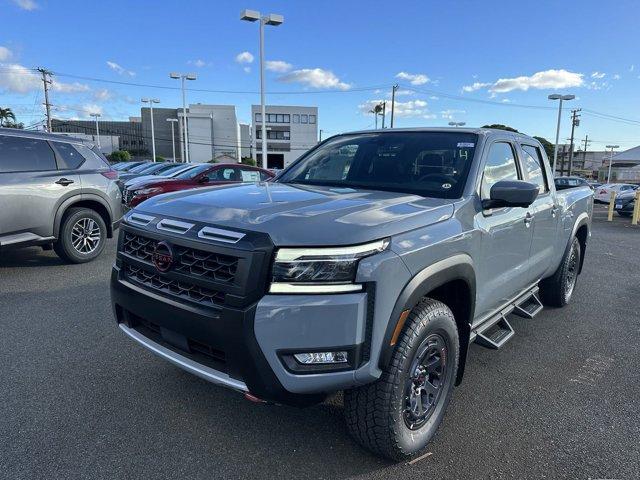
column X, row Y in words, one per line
column 82, row 236
column 399, row 414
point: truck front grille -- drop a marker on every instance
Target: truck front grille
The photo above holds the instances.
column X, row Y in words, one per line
column 179, row 289
column 190, row 261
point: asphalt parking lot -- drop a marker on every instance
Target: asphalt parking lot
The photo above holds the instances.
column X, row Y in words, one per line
column 79, row 400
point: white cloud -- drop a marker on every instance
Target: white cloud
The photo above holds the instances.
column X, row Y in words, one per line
column 278, row 66
column 598, row 75
column 5, row 54
column 19, row 79
column 247, row 69
column 450, row 113
column 411, row 108
column 541, row 80
column 315, row 78
column 198, row 63
column 414, row 78
column 88, row 108
column 26, row 4
column 102, row 95
column 244, row 57
column 120, row 70
column 434, row 97
column 632, row 68
column 475, row 86
column 616, row 76
column 401, row 92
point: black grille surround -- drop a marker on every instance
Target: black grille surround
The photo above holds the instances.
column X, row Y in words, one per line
column 204, row 272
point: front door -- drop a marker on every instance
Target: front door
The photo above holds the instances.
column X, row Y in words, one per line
column 503, row 263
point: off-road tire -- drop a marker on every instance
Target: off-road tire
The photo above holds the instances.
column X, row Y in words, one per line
column 556, row 291
column 64, row 246
column 375, row 413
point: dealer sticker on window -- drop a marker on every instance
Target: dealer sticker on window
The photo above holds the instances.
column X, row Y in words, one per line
column 466, row 145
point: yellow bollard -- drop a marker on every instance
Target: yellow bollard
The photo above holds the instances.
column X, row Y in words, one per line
column 636, row 209
column 611, row 204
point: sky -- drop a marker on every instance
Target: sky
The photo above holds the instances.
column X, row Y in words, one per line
column 477, row 62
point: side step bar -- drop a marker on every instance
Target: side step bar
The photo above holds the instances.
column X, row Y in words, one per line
column 496, row 330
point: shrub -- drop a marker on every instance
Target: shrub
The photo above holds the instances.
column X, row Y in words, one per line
column 119, row 156
column 248, row 161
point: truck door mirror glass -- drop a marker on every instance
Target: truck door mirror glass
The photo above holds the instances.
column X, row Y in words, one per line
column 511, row 193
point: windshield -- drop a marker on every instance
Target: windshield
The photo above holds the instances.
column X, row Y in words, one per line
column 194, row 172
column 431, row 164
column 171, row 170
column 139, row 168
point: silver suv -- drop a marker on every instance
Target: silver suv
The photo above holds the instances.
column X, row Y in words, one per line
column 58, row 192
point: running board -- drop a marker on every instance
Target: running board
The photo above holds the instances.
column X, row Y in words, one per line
column 496, row 335
column 529, row 307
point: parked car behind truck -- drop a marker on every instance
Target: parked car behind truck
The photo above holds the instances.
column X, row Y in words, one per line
column 58, row 192
column 369, row 265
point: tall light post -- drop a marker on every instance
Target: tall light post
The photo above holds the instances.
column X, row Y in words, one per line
column 612, row 147
column 151, row 101
column 96, row 116
column 173, row 121
column 274, row 20
column 557, row 96
column 185, row 129
column 457, row 124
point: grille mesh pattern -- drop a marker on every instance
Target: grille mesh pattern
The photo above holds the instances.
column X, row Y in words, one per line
column 190, row 261
column 184, row 290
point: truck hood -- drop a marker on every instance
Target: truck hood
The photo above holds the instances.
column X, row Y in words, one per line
column 301, row 214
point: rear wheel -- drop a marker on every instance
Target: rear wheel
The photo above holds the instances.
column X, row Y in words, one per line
column 556, row 291
column 399, row 414
column 82, row 236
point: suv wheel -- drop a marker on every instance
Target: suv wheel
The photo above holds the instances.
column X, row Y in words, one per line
column 556, row 291
column 82, row 235
column 399, row 414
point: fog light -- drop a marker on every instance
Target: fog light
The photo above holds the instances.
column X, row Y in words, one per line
column 314, row 358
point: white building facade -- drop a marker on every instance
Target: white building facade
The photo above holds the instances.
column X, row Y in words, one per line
column 291, row 131
column 213, row 133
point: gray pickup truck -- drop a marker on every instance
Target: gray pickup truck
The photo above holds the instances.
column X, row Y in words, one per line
column 369, row 265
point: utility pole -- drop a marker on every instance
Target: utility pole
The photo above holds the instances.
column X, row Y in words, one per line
column 384, row 110
column 586, row 142
column 575, row 121
column 393, row 102
column 46, row 81
column 320, row 134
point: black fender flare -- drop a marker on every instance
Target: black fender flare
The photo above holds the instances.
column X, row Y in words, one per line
column 69, row 202
column 457, row 267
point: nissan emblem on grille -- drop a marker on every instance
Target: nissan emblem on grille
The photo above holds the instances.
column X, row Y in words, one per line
column 162, row 256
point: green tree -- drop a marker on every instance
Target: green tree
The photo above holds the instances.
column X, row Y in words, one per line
column 499, row 126
column 6, row 114
column 119, row 156
column 548, row 147
column 14, row 125
column 248, row 161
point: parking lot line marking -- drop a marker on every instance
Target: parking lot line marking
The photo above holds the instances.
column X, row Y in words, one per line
column 421, row 457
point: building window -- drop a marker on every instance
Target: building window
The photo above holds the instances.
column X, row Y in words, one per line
column 287, row 118
column 296, row 118
column 312, row 119
column 304, row 118
column 286, row 135
column 280, row 118
column 258, row 117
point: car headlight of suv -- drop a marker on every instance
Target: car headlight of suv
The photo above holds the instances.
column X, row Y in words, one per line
column 320, row 270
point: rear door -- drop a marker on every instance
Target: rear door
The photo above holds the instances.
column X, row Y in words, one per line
column 544, row 211
column 31, row 186
column 505, row 235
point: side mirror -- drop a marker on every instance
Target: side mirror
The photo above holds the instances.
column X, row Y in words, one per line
column 204, row 179
column 511, row 193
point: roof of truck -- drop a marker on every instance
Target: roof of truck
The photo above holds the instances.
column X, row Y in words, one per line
column 477, row 131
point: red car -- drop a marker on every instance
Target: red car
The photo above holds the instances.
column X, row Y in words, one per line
column 204, row 175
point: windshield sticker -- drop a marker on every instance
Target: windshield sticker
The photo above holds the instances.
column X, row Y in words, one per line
column 446, row 186
column 466, row 145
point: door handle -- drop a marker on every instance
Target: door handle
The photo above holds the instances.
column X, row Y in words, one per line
column 528, row 218
column 64, row 182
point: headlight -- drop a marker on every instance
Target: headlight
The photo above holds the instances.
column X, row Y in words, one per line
column 320, row 270
column 146, row 191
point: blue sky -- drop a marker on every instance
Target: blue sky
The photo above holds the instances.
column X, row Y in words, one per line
column 467, row 61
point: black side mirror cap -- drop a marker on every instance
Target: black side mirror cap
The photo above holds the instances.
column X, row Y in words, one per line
column 511, row 193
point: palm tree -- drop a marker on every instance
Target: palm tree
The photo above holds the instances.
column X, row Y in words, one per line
column 376, row 111
column 6, row 114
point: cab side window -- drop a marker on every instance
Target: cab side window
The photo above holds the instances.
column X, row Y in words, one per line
column 501, row 165
column 69, row 157
column 534, row 167
column 21, row 154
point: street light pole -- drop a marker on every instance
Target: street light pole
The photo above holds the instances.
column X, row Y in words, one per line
column 96, row 116
column 273, row 20
column 562, row 98
column 173, row 138
column 457, row 124
column 611, row 160
column 185, row 128
column 151, row 101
